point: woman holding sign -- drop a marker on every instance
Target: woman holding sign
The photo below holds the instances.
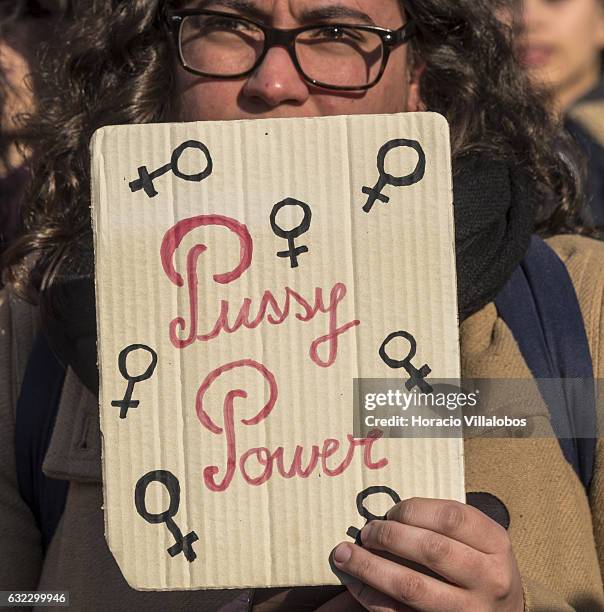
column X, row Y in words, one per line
column 534, row 539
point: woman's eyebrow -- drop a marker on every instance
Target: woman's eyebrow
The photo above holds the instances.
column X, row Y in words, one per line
column 338, row 11
column 243, row 7
column 248, row 8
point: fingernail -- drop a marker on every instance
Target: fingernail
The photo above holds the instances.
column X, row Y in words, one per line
column 342, row 554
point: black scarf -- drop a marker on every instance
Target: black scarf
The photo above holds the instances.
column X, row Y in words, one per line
column 494, row 217
column 494, row 204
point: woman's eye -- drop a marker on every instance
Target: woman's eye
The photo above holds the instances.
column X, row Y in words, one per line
column 222, row 23
column 337, row 33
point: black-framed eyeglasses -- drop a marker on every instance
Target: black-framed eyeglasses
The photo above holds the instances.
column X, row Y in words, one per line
column 331, row 55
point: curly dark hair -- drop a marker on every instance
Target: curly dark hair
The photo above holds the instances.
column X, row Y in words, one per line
column 13, row 15
column 114, row 65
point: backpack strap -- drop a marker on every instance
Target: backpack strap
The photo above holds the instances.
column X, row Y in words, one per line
column 540, row 306
column 36, row 412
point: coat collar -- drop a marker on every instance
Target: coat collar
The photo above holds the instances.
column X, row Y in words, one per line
column 74, row 452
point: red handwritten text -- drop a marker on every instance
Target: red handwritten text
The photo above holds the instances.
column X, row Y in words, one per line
column 262, row 457
column 269, row 309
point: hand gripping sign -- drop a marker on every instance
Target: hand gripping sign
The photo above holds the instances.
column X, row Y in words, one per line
column 258, row 290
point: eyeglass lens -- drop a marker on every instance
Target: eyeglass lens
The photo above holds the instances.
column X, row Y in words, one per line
column 337, row 56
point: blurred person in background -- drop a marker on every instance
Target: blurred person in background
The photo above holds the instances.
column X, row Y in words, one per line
column 24, row 25
column 561, row 45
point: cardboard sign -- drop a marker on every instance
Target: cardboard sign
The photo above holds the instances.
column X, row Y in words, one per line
column 246, row 273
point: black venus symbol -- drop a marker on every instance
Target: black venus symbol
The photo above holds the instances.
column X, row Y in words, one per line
column 375, row 193
column 290, row 235
column 127, row 402
column 417, row 376
column 355, row 533
column 183, row 544
column 145, row 178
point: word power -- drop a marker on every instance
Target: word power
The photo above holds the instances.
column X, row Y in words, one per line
column 355, row 533
column 146, row 178
column 375, row 193
column 183, row 544
column 291, row 235
column 417, row 376
column 125, row 404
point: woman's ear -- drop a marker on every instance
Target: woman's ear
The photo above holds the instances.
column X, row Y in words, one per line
column 414, row 98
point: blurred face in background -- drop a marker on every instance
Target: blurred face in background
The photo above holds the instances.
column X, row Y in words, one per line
column 17, row 96
column 560, row 43
column 25, row 25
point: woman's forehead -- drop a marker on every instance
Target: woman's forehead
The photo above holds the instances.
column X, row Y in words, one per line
column 380, row 12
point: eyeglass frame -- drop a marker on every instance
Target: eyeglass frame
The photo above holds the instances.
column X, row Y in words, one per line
column 287, row 38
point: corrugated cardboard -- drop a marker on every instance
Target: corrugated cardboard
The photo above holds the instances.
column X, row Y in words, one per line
column 363, row 276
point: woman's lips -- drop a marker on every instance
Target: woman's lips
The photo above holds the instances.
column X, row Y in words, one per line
column 534, row 56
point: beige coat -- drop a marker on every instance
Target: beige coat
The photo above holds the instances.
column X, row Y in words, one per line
column 590, row 114
column 556, row 531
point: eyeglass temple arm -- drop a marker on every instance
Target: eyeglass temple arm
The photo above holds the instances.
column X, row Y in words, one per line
column 404, row 34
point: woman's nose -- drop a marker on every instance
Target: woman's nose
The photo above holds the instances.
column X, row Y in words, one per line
column 276, row 81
